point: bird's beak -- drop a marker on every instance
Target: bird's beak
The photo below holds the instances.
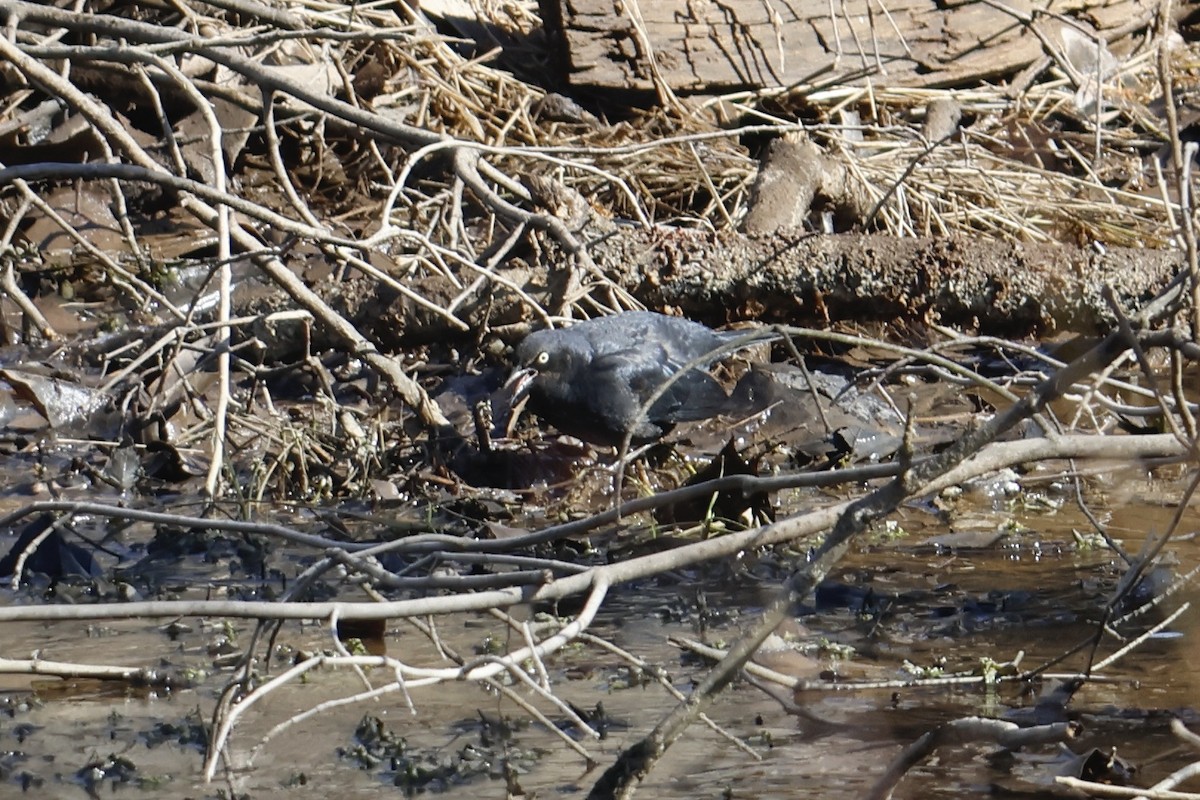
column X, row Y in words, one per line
column 513, row 395
column 519, row 384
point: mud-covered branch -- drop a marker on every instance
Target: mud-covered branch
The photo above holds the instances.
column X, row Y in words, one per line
column 995, row 287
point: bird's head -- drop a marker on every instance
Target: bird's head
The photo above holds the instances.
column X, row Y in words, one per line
column 548, row 364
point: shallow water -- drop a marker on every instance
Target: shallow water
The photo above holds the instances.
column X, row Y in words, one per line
column 902, row 598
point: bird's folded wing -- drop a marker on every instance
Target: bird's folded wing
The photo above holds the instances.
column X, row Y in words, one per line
column 630, row 377
column 694, row 395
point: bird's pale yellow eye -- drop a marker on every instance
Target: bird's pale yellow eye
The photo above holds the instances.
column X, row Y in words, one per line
column 543, row 358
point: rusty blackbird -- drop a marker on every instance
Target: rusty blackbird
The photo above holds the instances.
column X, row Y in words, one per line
column 594, row 379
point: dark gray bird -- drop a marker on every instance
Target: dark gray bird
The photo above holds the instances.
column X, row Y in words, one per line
column 594, row 379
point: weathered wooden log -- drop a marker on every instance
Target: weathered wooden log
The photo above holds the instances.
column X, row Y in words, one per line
column 710, row 47
column 995, row 287
column 978, row 285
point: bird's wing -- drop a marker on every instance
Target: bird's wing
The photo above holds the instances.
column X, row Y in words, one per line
column 694, row 395
column 621, row 378
column 630, row 376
